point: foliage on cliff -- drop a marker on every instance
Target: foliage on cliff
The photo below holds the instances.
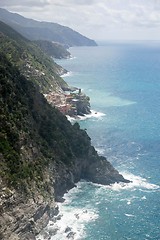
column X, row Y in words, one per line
column 42, row 154
column 32, row 132
column 34, row 135
column 54, row 50
column 32, row 62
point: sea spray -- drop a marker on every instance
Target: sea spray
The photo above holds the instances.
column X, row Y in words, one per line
column 78, row 210
column 122, row 82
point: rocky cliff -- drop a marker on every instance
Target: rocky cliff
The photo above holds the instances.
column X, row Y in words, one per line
column 42, row 155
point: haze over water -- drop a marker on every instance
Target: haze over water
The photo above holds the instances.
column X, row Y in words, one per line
column 123, row 82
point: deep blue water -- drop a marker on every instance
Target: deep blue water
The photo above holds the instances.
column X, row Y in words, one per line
column 123, row 82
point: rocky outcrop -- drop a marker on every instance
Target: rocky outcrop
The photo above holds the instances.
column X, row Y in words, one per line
column 82, row 103
column 23, row 217
column 91, row 167
column 102, row 172
column 42, row 155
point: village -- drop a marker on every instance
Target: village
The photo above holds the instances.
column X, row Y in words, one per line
column 71, row 103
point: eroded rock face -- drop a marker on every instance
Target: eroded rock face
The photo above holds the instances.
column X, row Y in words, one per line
column 102, row 172
column 43, row 156
column 23, row 218
column 93, row 168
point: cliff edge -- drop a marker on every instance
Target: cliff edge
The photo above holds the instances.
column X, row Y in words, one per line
column 42, row 156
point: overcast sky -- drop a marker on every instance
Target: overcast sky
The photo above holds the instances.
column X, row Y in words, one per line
column 97, row 19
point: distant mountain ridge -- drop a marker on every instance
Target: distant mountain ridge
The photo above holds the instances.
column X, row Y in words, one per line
column 32, row 62
column 36, row 30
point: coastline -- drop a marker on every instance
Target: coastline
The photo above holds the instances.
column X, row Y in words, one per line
column 131, row 196
column 69, row 221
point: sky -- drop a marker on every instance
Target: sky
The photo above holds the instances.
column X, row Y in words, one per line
column 96, row 19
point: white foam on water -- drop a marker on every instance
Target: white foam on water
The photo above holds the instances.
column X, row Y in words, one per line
column 71, row 222
column 144, row 198
column 71, row 58
column 137, row 182
column 93, row 114
column 129, row 215
column 72, row 193
column 71, row 119
column 75, row 219
column 100, row 150
column 71, row 219
column 128, row 202
column 68, row 74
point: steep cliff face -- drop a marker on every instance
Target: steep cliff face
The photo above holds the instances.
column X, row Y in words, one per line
column 42, row 156
column 88, row 165
column 23, row 217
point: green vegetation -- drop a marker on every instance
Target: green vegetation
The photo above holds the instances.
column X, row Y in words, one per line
column 32, row 62
column 33, row 134
column 55, row 50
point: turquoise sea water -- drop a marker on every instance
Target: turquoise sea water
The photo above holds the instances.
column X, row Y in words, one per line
column 123, row 82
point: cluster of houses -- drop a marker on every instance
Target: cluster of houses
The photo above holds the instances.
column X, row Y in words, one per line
column 68, row 103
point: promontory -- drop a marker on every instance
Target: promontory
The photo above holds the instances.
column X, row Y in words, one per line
column 42, row 155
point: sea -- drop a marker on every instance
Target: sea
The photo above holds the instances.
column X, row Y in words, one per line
column 122, row 80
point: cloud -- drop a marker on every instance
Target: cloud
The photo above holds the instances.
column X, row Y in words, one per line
column 26, row 3
column 82, row 2
column 92, row 17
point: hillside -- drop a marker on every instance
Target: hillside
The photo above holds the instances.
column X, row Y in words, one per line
column 54, row 50
column 35, row 30
column 42, row 155
column 31, row 60
column 38, row 67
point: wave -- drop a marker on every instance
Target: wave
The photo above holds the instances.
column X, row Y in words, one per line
column 129, row 215
column 72, row 58
column 70, row 224
column 137, row 182
column 68, row 74
column 93, row 114
column 100, row 150
column 72, row 219
column 97, row 114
